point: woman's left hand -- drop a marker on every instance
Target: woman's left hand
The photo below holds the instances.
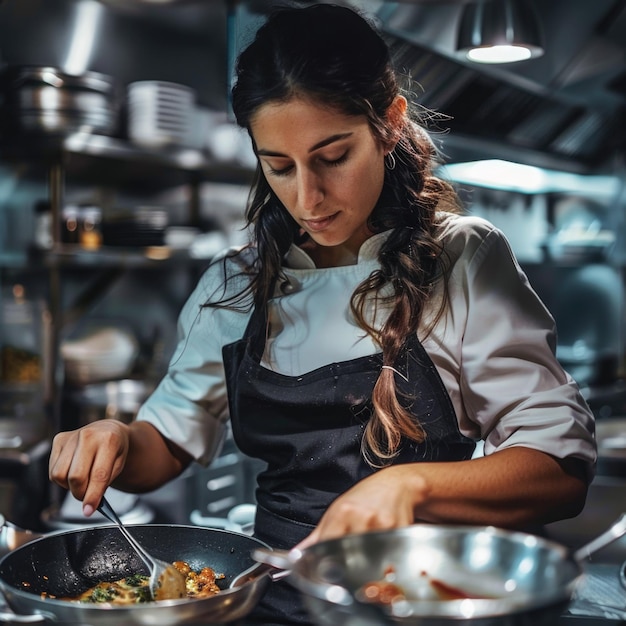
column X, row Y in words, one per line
column 379, row 502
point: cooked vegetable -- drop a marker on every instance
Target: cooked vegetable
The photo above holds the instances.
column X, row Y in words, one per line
column 134, row 589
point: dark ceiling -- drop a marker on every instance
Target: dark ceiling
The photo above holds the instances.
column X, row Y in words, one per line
column 568, row 106
column 566, row 109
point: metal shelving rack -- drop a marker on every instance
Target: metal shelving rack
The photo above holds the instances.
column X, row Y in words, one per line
column 107, row 161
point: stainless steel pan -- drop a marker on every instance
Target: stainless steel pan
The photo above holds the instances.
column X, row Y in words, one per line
column 507, row 578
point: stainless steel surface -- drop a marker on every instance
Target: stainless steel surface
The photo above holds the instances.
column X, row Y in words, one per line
column 544, row 107
column 12, row 536
column 24, row 482
column 599, row 594
column 166, row 583
column 17, row 76
column 512, row 576
column 48, row 100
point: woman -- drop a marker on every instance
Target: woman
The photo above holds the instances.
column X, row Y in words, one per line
column 369, row 337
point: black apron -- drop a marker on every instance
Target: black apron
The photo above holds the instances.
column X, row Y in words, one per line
column 308, row 430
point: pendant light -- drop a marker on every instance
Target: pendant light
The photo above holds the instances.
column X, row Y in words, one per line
column 499, row 31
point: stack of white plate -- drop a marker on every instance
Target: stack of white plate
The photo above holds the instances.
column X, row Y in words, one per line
column 104, row 354
column 160, row 113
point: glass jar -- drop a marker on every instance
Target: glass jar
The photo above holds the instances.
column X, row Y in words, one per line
column 69, row 225
column 89, row 229
column 21, row 339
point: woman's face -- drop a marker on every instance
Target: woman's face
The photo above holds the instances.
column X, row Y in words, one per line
column 326, row 168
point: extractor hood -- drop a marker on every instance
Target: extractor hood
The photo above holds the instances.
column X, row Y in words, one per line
column 566, row 109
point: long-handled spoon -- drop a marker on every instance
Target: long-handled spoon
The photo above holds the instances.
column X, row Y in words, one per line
column 166, row 582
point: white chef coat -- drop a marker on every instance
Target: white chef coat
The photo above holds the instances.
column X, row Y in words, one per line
column 493, row 347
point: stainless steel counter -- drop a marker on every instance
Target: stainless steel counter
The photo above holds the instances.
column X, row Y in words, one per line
column 600, row 598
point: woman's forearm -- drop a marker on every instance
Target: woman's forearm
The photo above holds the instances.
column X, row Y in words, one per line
column 514, row 487
column 151, row 461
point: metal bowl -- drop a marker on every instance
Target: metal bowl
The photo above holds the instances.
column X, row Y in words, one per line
column 47, row 100
column 506, row 578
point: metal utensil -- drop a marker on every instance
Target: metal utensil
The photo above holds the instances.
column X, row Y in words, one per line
column 616, row 530
column 166, row 582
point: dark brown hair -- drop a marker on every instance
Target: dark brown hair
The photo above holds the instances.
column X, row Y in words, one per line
column 333, row 55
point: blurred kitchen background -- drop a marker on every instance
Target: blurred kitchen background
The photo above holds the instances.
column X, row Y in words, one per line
column 122, row 173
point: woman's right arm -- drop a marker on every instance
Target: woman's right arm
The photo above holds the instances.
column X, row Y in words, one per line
column 183, row 419
column 134, row 458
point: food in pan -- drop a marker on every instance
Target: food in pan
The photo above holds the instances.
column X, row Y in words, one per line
column 381, row 592
column 134, row 589
column 387, row 591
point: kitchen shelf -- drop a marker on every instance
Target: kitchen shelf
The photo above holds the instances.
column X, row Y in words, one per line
column 90, row 144
column 106, row 162
column 68, row 255
column 110, row 160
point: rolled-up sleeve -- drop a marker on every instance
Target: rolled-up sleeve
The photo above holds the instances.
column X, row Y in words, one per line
column 189, row 406
column 510, row 384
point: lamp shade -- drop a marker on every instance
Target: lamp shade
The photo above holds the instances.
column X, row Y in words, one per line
column 499, row 31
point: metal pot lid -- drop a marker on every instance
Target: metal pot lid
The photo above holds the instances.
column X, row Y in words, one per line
column 20, row 75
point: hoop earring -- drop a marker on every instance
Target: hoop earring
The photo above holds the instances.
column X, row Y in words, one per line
column 390, row 161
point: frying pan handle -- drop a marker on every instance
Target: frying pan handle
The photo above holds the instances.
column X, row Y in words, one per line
column 14, row 618
column 279, row 559
column 256, row 571
column 284, row 560
column 7, row 616
column 615, row 531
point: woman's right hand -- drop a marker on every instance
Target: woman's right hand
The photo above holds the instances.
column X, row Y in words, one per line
column 87, row 460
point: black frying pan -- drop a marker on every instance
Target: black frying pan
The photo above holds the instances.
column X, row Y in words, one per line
column 67, row 563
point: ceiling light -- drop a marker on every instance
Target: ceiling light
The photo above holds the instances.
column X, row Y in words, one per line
column 499, row 31
column 87, row 23
column 522, row 178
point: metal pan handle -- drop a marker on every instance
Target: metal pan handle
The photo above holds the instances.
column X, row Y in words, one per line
column 261, row 568
column 14, row 618
column 284, row 560
column 7, row 616
column 614, row 532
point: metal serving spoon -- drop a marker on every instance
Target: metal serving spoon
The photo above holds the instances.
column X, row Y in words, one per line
column 166, row 582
